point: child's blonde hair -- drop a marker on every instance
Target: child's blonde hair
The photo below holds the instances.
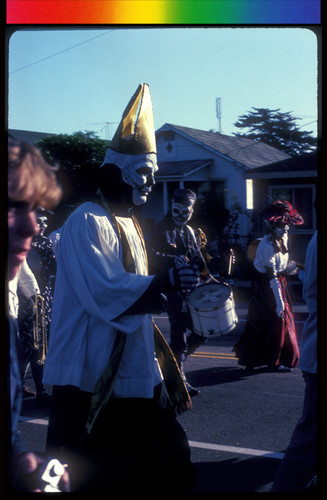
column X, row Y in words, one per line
column 30, row 177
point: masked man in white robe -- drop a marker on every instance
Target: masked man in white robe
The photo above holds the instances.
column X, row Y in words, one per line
column 112, row 413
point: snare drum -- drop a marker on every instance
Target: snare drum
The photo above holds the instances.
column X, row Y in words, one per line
column 212, row 309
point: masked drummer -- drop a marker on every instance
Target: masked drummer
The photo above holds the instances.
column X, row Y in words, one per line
column 120, row 431
column 269, row 337
column 175, row 237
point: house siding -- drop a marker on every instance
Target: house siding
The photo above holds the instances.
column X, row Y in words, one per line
column 223, row 169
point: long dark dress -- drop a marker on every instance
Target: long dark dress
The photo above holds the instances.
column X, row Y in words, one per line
column 268, row 340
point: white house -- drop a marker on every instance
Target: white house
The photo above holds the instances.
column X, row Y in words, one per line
column 204, row 161
column 297, row 181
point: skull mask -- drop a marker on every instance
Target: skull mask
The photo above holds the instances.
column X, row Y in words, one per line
column 281, row 229
column 182, row 206
column 137, row 171
column 181, row 213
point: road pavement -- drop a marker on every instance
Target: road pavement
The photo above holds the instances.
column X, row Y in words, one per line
column 240, row 423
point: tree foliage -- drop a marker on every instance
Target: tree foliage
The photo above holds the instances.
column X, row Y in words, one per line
column 210, row 214
column 279, row 130
column 79, row 156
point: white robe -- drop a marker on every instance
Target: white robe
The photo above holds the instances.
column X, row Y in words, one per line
column 92, row 290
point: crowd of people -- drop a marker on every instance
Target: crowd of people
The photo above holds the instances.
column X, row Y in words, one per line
column 83, row 322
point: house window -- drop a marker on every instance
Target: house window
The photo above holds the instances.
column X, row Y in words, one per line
column 169, row 135
column 167, row 149
column 302, row 198
column 249, row 194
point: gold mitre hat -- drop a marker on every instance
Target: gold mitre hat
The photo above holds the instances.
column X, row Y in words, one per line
column 135, row 133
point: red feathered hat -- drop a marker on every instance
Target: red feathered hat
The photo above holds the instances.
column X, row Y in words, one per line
column 281, row 211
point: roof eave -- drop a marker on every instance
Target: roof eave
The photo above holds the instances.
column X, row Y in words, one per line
column 167, row 126
column 280, row 175
column 182, row 176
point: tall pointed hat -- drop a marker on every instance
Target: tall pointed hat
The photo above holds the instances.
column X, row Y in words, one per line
column 135, row 133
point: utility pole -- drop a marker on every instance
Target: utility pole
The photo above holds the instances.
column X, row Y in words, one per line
column 106, row 127
column 218, row 112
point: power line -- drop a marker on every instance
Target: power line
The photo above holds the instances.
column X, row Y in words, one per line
column 60, row 52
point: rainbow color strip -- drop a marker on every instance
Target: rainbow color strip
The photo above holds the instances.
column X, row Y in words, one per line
column 163, row 12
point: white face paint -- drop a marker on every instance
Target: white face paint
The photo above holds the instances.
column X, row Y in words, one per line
column 181, row 214
column 137, row 171
column 281, row 229
column 140, row 194
column 145, row 178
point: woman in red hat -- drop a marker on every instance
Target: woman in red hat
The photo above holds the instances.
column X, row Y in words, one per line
column 269, row 338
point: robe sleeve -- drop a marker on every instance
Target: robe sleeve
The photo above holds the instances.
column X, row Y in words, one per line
column 89, row 249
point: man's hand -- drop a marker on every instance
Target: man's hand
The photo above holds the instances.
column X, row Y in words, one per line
column 185, row 275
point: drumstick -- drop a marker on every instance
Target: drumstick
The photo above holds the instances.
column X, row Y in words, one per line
column 231, row 253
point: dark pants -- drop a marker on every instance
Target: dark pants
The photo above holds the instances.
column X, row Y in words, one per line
column 137, row 446
column 182, row 343
column 299, row 465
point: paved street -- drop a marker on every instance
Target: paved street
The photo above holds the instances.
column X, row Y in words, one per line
column 239, row 425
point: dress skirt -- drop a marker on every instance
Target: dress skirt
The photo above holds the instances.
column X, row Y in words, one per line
column 268, row 340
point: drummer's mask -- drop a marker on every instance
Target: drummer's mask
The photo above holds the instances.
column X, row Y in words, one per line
column 181, row 213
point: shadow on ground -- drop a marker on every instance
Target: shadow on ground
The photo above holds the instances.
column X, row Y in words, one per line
column 34, row 409
column 221, row 375
column 236, row 475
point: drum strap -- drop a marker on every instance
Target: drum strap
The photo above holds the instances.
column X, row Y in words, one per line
column 205, row 273
column 191, row 230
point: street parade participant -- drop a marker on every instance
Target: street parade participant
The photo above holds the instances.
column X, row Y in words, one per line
column 298, row 469
column 48, row 268
column 34, row 322
column 269, row 337
column 173, row 238
column 112, row 414
column 34, row 313
column 31, row 183
column 28, row 292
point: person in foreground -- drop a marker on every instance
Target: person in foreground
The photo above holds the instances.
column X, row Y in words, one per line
column 112, row 413
column 269, row 337
column 298, row 469
column 31, row 183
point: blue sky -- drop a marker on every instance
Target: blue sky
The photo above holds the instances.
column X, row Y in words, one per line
column 63, row 81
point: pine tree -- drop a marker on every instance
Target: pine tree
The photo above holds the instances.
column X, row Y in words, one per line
column 279, row 130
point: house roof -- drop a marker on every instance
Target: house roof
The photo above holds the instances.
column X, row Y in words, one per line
column 247, row 152
column 180, row 169
column 302, row 166
column 27, row 135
